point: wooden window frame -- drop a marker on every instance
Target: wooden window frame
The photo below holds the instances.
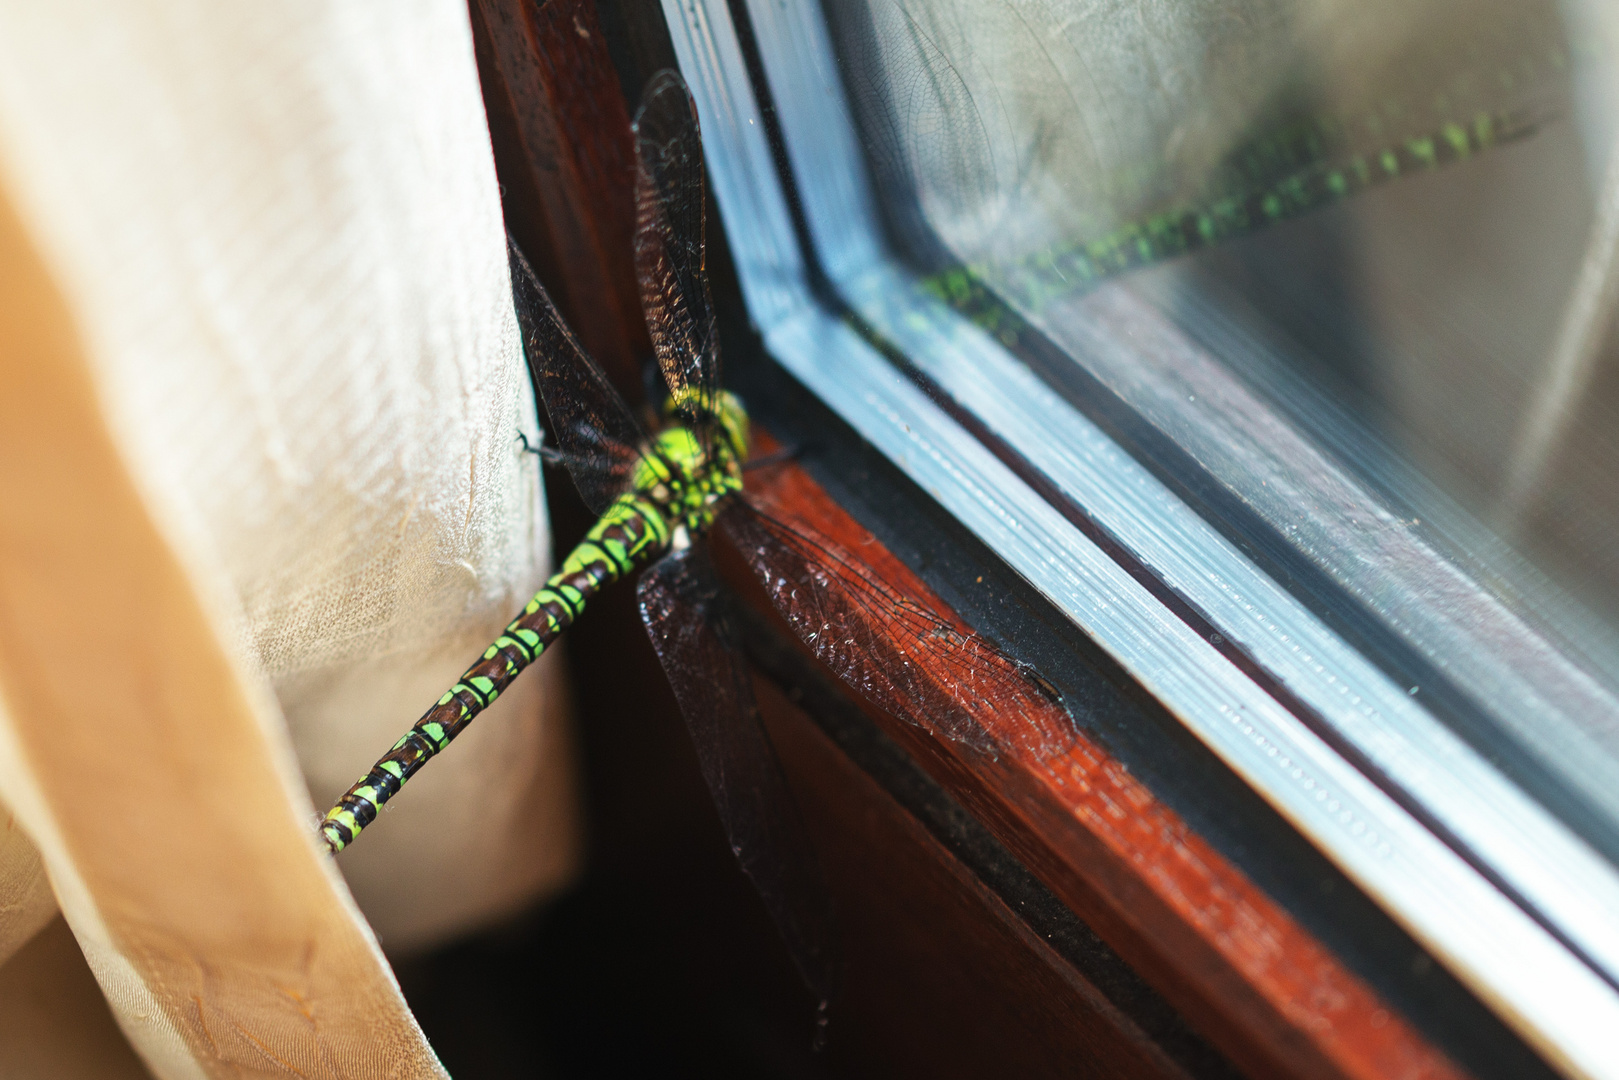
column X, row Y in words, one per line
column 1243, row 971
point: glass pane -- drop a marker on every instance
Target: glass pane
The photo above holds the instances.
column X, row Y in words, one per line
column 1394, row 223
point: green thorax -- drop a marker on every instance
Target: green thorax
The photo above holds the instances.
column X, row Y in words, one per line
column 687, row 481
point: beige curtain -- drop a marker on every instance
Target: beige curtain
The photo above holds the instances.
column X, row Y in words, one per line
column 261, row 499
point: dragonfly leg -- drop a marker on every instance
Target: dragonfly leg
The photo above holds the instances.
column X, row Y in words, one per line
column 540, row 450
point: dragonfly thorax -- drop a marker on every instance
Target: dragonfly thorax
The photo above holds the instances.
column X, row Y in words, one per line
column 687, row 480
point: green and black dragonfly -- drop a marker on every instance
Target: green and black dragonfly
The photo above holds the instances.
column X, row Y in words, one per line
column 657, row 496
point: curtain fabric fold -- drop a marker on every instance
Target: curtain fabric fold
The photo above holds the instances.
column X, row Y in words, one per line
column 261, row 499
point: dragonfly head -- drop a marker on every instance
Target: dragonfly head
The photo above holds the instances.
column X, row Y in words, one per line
column 692, row 474
column 722, row 412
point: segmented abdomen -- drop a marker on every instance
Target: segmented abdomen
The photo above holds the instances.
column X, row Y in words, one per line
column 633, row 531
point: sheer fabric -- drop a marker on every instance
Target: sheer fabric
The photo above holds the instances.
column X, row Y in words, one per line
column 263, row 498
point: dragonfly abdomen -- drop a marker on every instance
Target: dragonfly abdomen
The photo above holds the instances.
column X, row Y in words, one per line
column 632, row 532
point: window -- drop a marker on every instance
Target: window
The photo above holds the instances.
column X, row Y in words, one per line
column 1334, row 490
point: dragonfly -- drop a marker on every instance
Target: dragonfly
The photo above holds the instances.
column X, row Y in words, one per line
column 659, row 495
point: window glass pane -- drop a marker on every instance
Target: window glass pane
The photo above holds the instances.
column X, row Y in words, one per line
column 1050, row 144
column 1391, row 222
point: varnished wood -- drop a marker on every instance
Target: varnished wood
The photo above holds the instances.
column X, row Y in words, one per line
column 561, row 134
column 1247, row 975
column 942, row 978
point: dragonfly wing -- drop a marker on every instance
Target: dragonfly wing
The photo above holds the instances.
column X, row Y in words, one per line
column 670, row 204
column 593, row 429
column 684, row 611
column 893, row 652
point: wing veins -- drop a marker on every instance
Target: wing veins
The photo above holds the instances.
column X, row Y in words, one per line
column 913, row 663
column 670, row 254
column 594, row 431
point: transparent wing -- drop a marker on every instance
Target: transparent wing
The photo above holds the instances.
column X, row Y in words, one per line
column 669, row 254
column 592, row 428
column 897, row 655
column 684, row 611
